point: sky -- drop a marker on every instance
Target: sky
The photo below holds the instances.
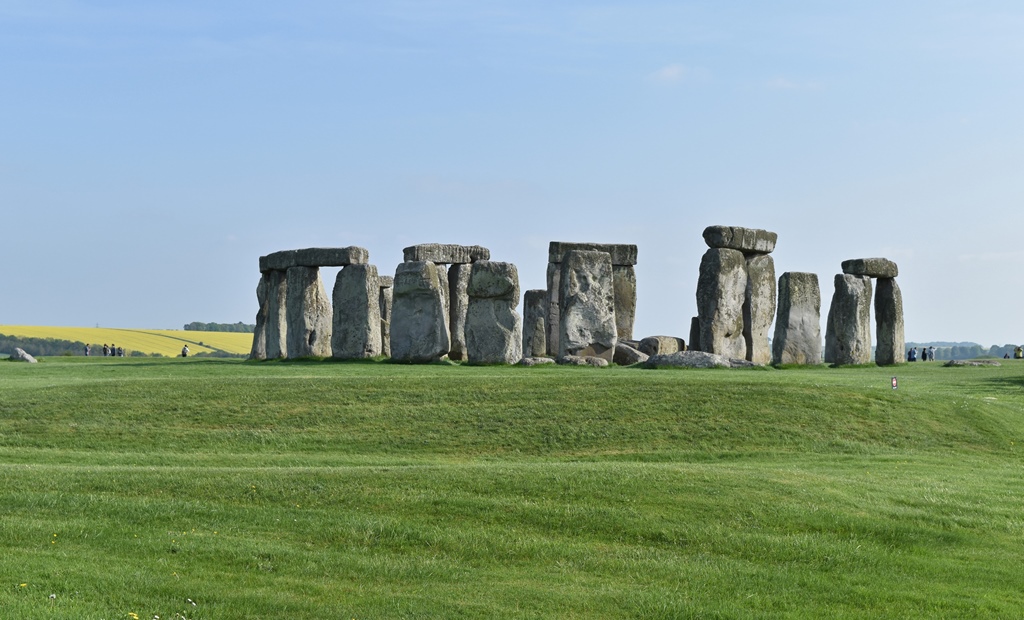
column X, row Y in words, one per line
column 151, row 152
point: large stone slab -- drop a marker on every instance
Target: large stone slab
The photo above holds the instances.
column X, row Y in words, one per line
column 797, row 337
column 626, row 355
column 419, row 322
column 662, row 345
column 458, row 306
column 20, row 355
column 308, row 314
column 494, row 330
column 446, row 253
column 277, row 311
column 356, row 330
column 746, row 240
column 695, row 359
column 624, row 284
column 259, row 334
column 888, row 322
column 535, row 315
column 315, row 257
column 721, row 290
column 620, row 253
column 385, row 301
column 848, row 332
column 587, row 299
column 873, row 267
column 759, row 307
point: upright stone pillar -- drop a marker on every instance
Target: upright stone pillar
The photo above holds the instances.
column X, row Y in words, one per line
column 458, row 305
column 419, row 324
column 385, row 283
column 356, row 328
column 493, row 328
column 277, row 320
column 848, row 333
column 535, row 316
column 759, row 307
column 798, row 324
column 721, row 289
column 695, row 334
column 587, row 296
column 889, row 322
column 308, row 313
column 259, row 335
column 623, row 257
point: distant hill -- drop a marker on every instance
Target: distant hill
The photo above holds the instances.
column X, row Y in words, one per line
column 45, row 340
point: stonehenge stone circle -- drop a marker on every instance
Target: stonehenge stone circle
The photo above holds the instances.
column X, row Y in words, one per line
column 798, row 322
column 873, row 267
column 848, row 332
column 759, row 307
column 419, row 324
column 888, row 322
column 587, row 305
column 385, row 284
column 623, row 258
column 356, row 328
column 721, row 289
column 493, row 327
column 308, row 314
column 535, row 318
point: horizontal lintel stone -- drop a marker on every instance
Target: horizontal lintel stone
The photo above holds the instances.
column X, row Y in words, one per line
column 385, row 281
column 873, row 267
column 315, row 257
column 746, row 240
column 446, row 253
column 621, row 253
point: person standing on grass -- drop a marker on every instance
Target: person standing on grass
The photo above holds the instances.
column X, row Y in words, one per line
column 106, row 350
column 931, row 353
column 88, row 349
column 184, row 351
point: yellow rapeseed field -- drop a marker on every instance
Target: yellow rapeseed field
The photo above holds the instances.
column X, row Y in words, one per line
column 164, row 341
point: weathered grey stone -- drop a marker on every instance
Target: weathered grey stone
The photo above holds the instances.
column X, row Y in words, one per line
column 458, row 305
column 695, row 359
column 356, row 330
column 759, row 307
column 20, row 355
column 746, row 240
column 385, row 281
column 259, row 334
column 582, row 360
column 721, row 289
column 694, row 334
column 620, row 253
column 848, row 332
column 624, row 283
column 277, row 319
column 587, row 297
column 446, row 253
column 873, row 267
column 798, row 323
column 535, row 314
column 494, row 330
column 385, row 302
column 955, row 363
column 308, row 313
column 315, row 257
column 536, row 361
column 888, row 323
column 662, row 345
column 554, row 310
column 626, row 355
column 419, row 323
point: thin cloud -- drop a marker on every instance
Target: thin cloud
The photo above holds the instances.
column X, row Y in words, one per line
column 675, row 73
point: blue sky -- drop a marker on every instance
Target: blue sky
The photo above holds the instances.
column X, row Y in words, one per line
column 150, row 152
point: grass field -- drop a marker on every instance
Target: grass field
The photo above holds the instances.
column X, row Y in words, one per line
column 166, row 342
column 207, row 489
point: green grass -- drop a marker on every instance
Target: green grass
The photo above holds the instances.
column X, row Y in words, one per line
column 372, row 490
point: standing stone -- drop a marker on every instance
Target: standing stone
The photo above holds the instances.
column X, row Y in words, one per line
column 848, row 333
column 419, row 323
column 458, row 305
column 798, row 324
column 277, row 320
column 889, row 322
column 385, row 283
column 624, row 283
column 259, row 335
column 535, row 316
column 587, row 314
column 759, row 307
column 308, row 314
column 695, row 334
column 494, row 332
column 356, row 329
column 721, row 290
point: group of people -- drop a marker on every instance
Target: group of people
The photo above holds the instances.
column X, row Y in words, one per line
column 927, row 353
column 108, row 351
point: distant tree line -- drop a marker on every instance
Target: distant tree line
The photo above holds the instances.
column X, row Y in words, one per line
column 238, row 328
column 39, row 347
column 964, row 350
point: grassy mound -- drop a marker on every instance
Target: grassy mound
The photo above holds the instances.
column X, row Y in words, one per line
column 321, row 489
